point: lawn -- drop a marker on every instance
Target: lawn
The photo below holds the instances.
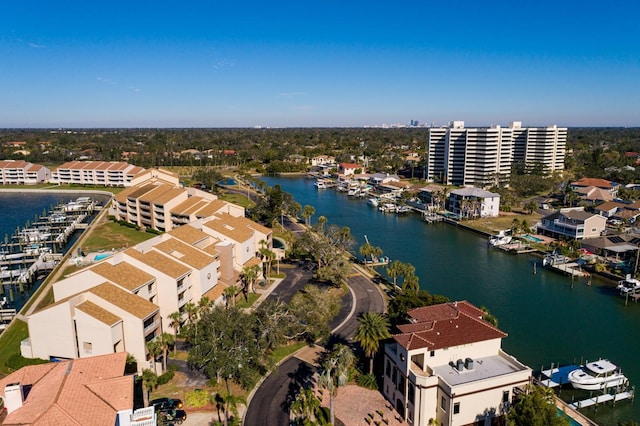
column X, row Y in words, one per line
column 494, row 224
column 240, row 200
column 110, row 235
column 10, row 342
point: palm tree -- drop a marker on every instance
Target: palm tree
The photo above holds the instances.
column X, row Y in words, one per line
column 335, row 373
column 305, row 406
column 230, row 295
column 231, row 403
column 410, row 283
column 267, row 256
column 307, row 212
column 249, row 277
column 155, row 349
column 149, row 383
column 395, row 268
column 166, row 340
column 372, row 328
column 176, row 320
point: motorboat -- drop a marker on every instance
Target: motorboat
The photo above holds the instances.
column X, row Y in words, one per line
column 320, row 184
column 402, row 209
column 353, row 191
column 554, row 259
column 597, row 375
column 373, row 202
column 36, row 250
column 628, row 285
column 501, row 238
column 387, row 207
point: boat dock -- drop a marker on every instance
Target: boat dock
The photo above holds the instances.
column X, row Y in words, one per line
column 571, row 268
column 556, row 377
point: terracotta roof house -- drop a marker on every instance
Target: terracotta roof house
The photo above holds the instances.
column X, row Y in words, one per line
column 87, row 391
column 607, row 185
column 350, row 168
column 573, row 223
column 447, row 365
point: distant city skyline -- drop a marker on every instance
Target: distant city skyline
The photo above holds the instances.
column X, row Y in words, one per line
column 306, row 64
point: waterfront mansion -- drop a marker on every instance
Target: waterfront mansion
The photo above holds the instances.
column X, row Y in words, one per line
column 447, row 366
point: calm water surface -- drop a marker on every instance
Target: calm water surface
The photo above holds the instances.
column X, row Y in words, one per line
column 16, row 209
column 547, row 320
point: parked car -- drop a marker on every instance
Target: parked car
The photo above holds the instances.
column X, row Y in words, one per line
column 164, row 404
column 174, row 416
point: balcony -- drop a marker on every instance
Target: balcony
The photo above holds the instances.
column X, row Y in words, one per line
column 151, row 327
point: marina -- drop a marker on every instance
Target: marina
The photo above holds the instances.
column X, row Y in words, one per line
column 34, row 249
column 546, row 317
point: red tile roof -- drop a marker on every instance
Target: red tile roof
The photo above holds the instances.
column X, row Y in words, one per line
column 85, row 391
column 445, row 325
column 599, row 183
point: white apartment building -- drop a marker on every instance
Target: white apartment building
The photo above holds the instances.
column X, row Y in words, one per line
column 18, row 172
column 462, row 156
column 447, row 366
column 101, row 173
column 471, row 203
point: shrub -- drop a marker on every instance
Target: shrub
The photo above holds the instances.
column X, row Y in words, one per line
column 367, row 381
column 196, row 398
column 163, row 379
column 17, row 361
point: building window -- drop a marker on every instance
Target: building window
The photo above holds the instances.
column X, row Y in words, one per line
column 387, row 370
column 443, row 403
column 456, row 408
column 87, row 347
column 505, row 396
column 150, row 288
column 411, row 394
column 432, row 353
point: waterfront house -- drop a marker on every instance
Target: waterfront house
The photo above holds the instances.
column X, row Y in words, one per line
column 574, row 223
column 473, row 202
column 447, row 366
column 585, row 182
column 591, row 195
column 320, row 160
column 350, row 169
column 87, row 391
column 377, row 179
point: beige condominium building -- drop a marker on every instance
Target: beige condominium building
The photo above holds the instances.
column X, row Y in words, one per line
column 447, row 366
column 18, row 172
column 101, row 173
column 462, row 156
column 124, row 301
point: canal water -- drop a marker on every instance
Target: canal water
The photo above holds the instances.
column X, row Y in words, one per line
column 548, row 319
column 19, row 208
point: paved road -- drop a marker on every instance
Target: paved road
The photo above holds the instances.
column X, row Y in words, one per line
column 269, row 404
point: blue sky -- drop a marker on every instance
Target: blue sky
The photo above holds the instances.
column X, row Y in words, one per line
column 309, row 63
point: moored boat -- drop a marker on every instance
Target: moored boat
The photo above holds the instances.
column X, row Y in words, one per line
column 597, row 375
column 373, row 202
column 320, row 184
column 628, row 285
column 501, row 238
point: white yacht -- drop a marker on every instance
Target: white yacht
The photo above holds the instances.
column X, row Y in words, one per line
column 628, row 285
column 373, row 202
column 320, row 184
column 500, row 238
column 597, row 375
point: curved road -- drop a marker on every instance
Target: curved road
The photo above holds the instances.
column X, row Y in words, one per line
column 270, row 402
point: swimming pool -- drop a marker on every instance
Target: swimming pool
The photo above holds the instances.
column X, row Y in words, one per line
column 532, row 238
column 101, row 256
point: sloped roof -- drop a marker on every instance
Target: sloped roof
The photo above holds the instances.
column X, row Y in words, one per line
column 444, row 326
column 474, row 192
column 160, row 262
column 98, row 313
column 185, row 253
column 85, row 391
column 599, row 183
column 123, row 274
column 128, row 302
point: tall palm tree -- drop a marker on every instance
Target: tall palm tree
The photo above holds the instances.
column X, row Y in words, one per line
column 307, row 212
column 410, row 283
column 166, row 340
column 305, row 406
column 268, row 257
column 149, row 383
column 372, row 328
column 230, row 295
column 155, row 349
column 394, row 270
column 335, row 373
column 176, row 321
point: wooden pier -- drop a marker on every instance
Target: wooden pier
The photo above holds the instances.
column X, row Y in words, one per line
column 571, row 268
column 601, row 399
